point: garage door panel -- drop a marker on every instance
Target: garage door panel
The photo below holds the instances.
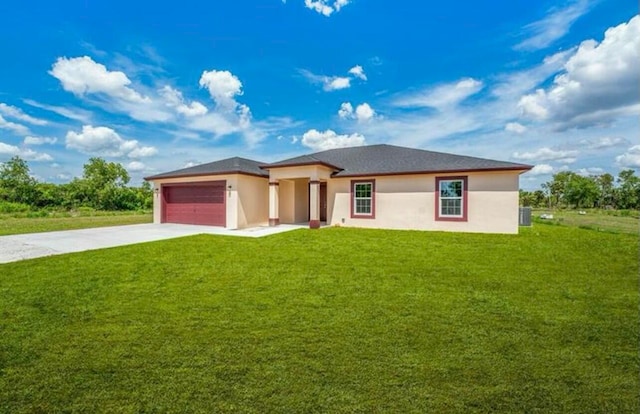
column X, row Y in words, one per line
column 196, row 204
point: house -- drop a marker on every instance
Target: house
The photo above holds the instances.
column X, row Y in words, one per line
column 375, row 186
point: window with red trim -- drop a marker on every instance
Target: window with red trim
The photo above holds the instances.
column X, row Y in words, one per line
column 451, row 198
column 363, row 198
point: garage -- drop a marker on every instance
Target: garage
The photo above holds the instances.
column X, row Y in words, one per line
column 195, row 203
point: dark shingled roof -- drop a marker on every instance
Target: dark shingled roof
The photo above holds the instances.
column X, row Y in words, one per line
column 233, row 165
column 390, row 159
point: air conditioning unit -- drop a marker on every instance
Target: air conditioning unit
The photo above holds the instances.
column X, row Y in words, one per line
column 524, row 218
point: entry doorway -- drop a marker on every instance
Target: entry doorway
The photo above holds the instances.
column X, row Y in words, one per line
column 323, row 202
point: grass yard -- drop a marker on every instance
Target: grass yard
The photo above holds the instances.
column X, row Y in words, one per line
column 598, row 220
column 334, row 320
column 22, row 225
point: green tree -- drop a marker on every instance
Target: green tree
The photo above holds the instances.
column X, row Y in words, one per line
column 103, row 186
column 605, row 184
column 16, row 184
column 557, row 187
column 628, row 192
column 581, row 192
column 100, row 173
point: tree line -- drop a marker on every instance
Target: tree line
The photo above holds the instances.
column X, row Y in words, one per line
column 103, row 186
column 568, row 189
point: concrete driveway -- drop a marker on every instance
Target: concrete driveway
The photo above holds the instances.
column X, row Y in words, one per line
column 29, row 246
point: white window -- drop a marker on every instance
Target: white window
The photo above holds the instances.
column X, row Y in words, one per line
column 451, row 198
column 363, row 198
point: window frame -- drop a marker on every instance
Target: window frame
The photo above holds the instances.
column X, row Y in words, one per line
column 352, row 197
column 464, row 199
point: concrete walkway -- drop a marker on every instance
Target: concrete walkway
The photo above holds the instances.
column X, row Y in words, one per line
column 28, row 246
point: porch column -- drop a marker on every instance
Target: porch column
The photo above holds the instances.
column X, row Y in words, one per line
column 314, row 204
column 274, row 217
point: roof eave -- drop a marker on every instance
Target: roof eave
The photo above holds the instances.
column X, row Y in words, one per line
column 300, row 164
column 521, row 168
column 204, row 174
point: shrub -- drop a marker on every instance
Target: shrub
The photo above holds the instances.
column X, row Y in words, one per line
column 9, row 207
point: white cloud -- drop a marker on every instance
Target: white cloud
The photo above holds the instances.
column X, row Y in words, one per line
column 424, row 128
column 532, row 106
column 512, row 85
column 136, row 166
column 553, row 26
column 103, row 141
column 364, row 112
column 541, row 169
column 82, row 76
column 329, row 83
column 231, row 116
column 142, row 152
column 109, row 89
column 346, row 110
column 630, row 159
column 604, row 142
column 30, row 140
column 442, row 96
column 17, row 113
column 320, row 141
column 589, row 171
column 547, row 154
column 12, row 126
column 515, row 128
column 598, row 84
column 76, row 114
column 325, row 7
column 223, row 86
column 358, row 72
column 115, row 93
column 336, row 83
column 338, row 4
column 26, row 153
column 191, row 163
column 174, row 99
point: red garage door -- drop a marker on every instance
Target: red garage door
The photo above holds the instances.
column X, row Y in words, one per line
column 201, row 203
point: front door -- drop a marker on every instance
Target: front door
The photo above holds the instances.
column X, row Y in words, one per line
column 323, row 202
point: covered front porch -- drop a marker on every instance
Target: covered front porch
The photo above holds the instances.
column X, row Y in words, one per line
column 298, row 194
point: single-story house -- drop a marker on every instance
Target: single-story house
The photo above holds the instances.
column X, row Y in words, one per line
column 375, row 186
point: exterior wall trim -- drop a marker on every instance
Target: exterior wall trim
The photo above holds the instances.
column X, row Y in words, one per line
column 300, row 164
column 155, row 178
column 430, row 172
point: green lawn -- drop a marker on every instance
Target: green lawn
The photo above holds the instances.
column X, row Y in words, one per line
column 22, row 225
column 332, row 320
column 600, row 220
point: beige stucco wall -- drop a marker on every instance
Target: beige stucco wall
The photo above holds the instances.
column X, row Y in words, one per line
column 253, row 201
column 301, row 203
column 310, row 172
column 401, row 202
column 293, row 200
column 286, row 201
column 247, row 201
column 408, row 202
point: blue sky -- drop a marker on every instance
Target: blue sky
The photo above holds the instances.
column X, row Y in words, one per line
column 159, row 86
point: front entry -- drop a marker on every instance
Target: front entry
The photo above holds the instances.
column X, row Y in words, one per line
column 323, row 201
